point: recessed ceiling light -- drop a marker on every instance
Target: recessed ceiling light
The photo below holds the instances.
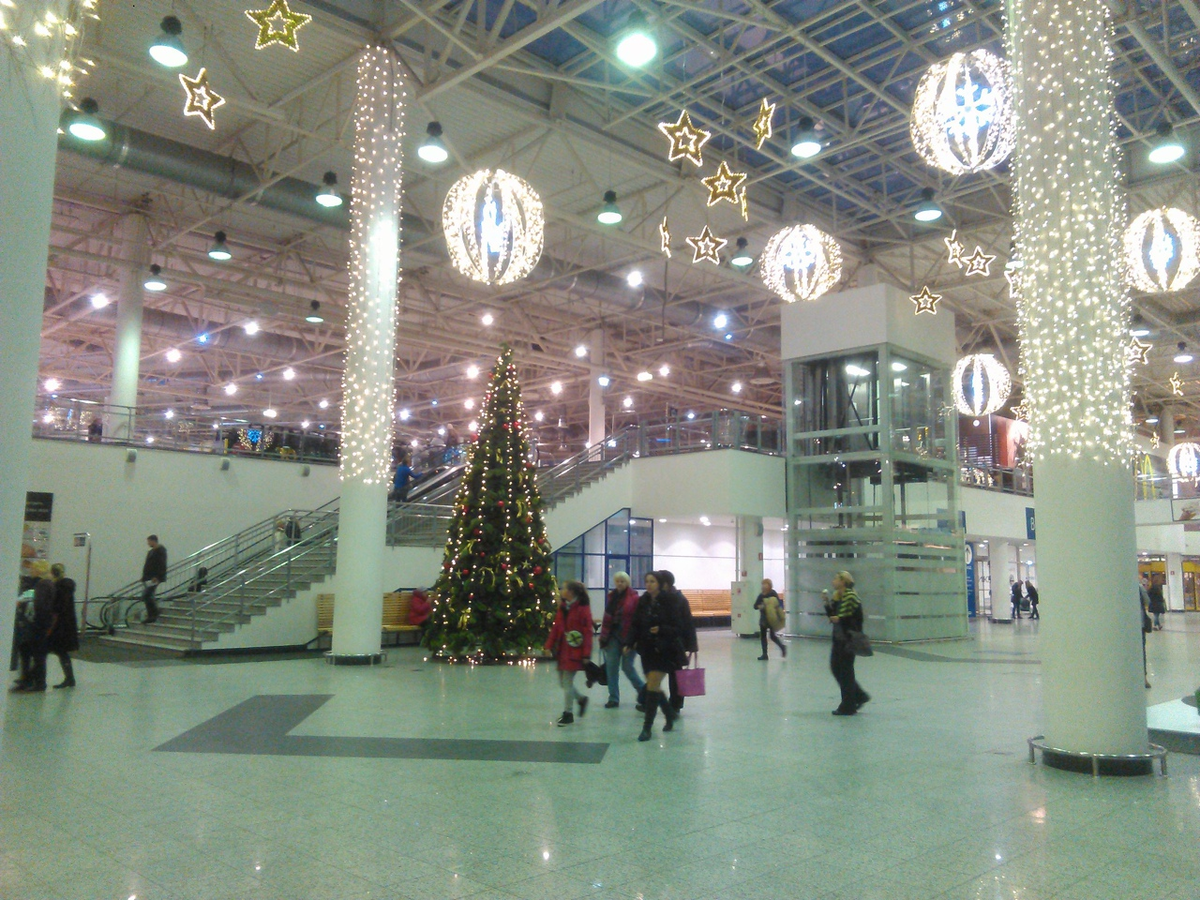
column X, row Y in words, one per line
column 635, row 278
column 556, row 388
column 100, row 300
column 664, row 370
column 644, row 376
column 324, row 404
column 231, row 389
column 289, row 373
column 472, row 371
column 487, row 319
column 250, row 327
column 173, row 355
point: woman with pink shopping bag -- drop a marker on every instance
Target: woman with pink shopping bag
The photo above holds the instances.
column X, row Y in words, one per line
column 658, row 636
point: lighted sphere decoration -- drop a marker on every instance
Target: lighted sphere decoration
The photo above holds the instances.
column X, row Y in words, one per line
column 1162, row 250
column 801, row 262
column 962, row 115
column 494, row 226
column 1184, row 461
column 981, row 384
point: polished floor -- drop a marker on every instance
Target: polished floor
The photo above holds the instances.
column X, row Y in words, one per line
column 759, row 794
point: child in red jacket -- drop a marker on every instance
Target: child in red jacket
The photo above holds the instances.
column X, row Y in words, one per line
column 571, row 643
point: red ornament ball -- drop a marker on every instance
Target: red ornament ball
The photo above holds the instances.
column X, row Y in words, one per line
column 537, row 570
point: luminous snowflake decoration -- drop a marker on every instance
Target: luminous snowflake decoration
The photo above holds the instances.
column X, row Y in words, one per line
column 801, row 262
column 1162, row 250
column 962, row 117
column 981, row 384
column 1184, row 461
column 494, row 226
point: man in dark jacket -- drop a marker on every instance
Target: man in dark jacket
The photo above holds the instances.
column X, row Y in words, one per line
column 154, row 573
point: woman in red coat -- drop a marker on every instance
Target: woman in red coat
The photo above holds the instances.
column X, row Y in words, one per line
column 570, row 642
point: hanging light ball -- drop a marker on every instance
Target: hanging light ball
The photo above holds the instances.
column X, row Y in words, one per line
column 494, row 226
column 1162, row 250
column 801, row 262
column 1184, row 461
column 962, row 117
column 981, row 384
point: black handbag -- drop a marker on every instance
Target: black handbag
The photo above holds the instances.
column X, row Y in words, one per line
column 859, row 643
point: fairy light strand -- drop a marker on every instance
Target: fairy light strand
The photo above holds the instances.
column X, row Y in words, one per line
column 801, row 262
column 962, row 115
column 44, row 38
column 1162, row 250
column 494, row 226
column 1074, row 314
column 982, row 384
column 368, row 378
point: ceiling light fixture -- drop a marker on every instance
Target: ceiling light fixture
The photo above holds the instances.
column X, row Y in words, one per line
column 328, row 195
column 324, row 404
column 556, row 388
column 581, row 351
column 487, row 319
column 469, row 403
column 539, row 416
column 219, row 250
column 807, row 144
column 251, row 328
column 472, row 371
column 433, row 148
column 644, row 376
column 1166, row 147
column 289, row 374
column 167, row 49
column 664, row 370
column 636, row 45
column 627, row 402
column 270, row 413
column 404, row 415
column 154, row 281
column 1183, row 356
column 231, row 389
column 720, row 320
column 85, row 125
column 314, row 313
column 927, row 210
column 736, row 387
column 99, row 300
column 741, row 258
column 604, row 381
column 1138, row 327
column 52, row 384
column 1151, row 420
column 610, row 213
column 173, row 355
column 635, row 279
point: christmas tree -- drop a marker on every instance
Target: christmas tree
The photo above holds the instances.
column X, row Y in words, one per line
column 495, row 597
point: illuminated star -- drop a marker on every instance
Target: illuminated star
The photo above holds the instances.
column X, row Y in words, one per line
column 664, row 237
column 744, row 205
column 277, row 24
column 686, row 139
column 1013, row 277
column 956, row 248
column 724, row 185
column 978, row 263
column 201, row 99
column 1021, row 410
column 762, row 124
column 1154, row 440
column 1175, row 383
column 926, row 301
column 706, row 246
column 1138, row 351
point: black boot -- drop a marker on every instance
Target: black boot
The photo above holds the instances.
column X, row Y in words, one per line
column 68, row 674
column 653, row 698
column 641, row 699
column 669, row 713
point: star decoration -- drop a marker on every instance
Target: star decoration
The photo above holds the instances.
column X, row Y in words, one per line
column 664, row 237
column 724, row 185
column 956, row 248
column 269, row 32
column 1175, row 383
column 744, row 206
column 1138, row 351
column 926, row 301
column 762, row 125
column 686, row 139
column 706, row 246
column 1021, row 410
column 1013, row 277
column 201, row 99
column 1154, row 440
column 978, row 263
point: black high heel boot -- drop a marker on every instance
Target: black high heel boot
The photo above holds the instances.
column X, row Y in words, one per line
column 669, row 712
column 653, row 698
column 68, row 675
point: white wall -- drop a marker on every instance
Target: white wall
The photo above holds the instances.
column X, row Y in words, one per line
column 184, row 498
column 714, row 482
column 702, row 557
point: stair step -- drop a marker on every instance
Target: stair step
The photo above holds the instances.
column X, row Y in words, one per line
column 161, row 631
column 156, row 643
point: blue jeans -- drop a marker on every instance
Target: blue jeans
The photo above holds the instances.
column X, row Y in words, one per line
column 615, row 662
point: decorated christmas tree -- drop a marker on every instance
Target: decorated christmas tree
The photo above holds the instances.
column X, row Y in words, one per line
column 495, row 597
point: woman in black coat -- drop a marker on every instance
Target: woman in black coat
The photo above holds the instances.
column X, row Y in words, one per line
column 687, row 632
column 35, row 619
column 659, row 632
column 64, row 633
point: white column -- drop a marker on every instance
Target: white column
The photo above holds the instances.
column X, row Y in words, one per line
column 29, row 110
column 1173, row 589
column 1073, row 326
column 127, row 351
column 369, row 379
column 597, row 429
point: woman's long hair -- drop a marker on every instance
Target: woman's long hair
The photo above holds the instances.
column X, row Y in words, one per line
column 577, row 590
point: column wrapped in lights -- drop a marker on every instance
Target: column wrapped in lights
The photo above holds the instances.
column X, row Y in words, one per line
column 1073, row 329
column 368, row 379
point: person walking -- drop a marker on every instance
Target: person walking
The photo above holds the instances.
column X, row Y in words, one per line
column 1158, row 603
column 690, row 641
column 770, row 617
column 1032, row 593
column 845, row 613
column 1016, row 599
column 658, row 630
column 37, row 618
column 570, row 643
column 1147, row 627
column 64, row 630
column 616, row 640
column 154, row 573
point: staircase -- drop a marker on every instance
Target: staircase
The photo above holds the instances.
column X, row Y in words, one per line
column 247, row 574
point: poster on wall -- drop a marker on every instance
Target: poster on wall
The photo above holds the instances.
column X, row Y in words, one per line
column 35, row 541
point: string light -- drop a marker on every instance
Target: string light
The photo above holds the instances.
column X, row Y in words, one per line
column 368, row 376
column 664, row 237
column 494, row 226
column 801, row 262
column 1074, row 311
column 963, row 115
column 44, row 38
column 706, row 246
column 201, row 100
column 1183, row 460
column 1162, row 250
column 982, row 384
column 926, row 301
column 687, row 141
column 285, row 34
column 763, row 128
column 723, row 185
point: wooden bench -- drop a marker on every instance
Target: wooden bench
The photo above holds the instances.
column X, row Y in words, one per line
column 394, row 620
column 710, row 605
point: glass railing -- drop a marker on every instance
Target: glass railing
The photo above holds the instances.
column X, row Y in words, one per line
column 193, row 431
column 1017, row 480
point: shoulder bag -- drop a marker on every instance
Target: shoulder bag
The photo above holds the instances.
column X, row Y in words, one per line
column 691, row 680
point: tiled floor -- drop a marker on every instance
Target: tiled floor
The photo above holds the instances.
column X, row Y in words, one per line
column 760, row 794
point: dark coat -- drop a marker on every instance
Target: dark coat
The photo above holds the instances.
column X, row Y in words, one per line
column 690, row 642
column 664, row 651
column 155, row 565
column 1158, row 603
column 64, row 634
